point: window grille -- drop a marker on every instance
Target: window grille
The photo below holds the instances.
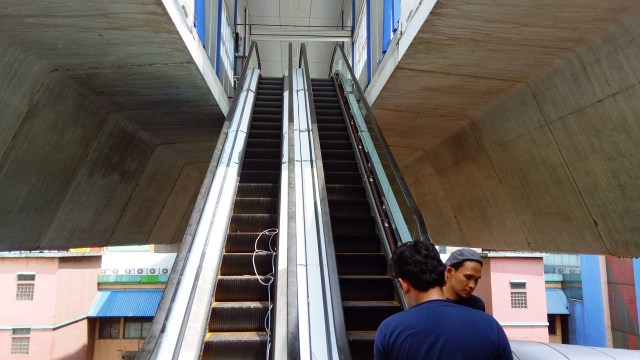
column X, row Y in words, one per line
column 24, row 292
column 20, row 331
column 518, row 300
column 19, row 345
column 109, row 328
column 518, row 284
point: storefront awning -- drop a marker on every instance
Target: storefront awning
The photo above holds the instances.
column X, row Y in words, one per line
column 126, row 303
column 556, row 302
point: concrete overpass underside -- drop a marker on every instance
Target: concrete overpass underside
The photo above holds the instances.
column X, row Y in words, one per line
column 107, row 126
column 516, row 124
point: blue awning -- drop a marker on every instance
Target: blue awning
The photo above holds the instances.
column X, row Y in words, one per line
column 126, row 303
column 556, row 302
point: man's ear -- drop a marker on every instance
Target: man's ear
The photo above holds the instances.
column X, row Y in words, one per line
column 404, row 284
column 448, row 273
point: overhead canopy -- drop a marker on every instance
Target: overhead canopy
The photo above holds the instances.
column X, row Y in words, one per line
column 126, row 303
column 556, row 302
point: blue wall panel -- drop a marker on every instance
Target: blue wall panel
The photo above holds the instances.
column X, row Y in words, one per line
column 594, row 331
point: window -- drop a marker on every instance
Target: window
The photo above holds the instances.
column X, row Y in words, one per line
column 24, row 292
column 20, row 341
column 136, row 328
column 24, row 288
column 518, row 300
column 360, row 45
column 518, row 284
column 551, row 319
column 109, row 328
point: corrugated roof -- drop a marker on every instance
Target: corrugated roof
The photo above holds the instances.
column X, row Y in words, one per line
column 556, row 301
column 126, row 303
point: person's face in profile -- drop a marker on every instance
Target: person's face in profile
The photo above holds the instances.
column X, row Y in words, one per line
column 464, row 280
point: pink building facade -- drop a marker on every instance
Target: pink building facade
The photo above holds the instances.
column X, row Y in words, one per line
column 43, row 310
column 513, row 289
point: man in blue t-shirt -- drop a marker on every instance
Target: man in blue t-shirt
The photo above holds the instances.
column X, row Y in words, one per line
column 433, row 327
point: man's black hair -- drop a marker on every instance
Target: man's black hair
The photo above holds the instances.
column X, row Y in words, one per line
column 418, row 262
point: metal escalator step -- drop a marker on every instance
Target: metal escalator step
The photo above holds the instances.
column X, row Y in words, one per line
column 343, row 155
column 327, row 112
column 265, row 126
column 352, row 224
column 238, row 316
column 266, row 118
column 340, row 166
column 361, row 344
column 264, row 134
column 343, row 136
column 336, row 145
column 263, row 144
column 252, row 222
column 361, row 264
column 266, row 102
column 261, row 165
column 259, row 177
column 269, row 98
column 328, row 106
column 367, row 315
column 343, row 178
column 235, row 346
column 363, row 288
column 269, row 85
column 257, row 190
column 240, row 288
column 324, row 99
column 349, row 207
column 328, row 127
column 246, row 242
column 267, row 111
column 356, row 243
column 270, row 91
column 237, row 264
column 255, row 206
column 268, row 154
column 330, row 120
column 338, row 192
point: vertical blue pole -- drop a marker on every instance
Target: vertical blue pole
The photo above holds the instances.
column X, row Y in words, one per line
column 368, row 41
column 593, row 301
column 199, row 21
column 387, row 24
column 353, row 29
column 235, row 31
column 636, row 281
column 218, row 38
column 244, row 42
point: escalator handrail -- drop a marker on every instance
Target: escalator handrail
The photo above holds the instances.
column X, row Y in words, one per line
column 406, row 193
column 159, row 320
column 334, row 281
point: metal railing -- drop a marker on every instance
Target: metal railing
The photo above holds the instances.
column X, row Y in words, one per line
column 157, row 326
column 398, row 198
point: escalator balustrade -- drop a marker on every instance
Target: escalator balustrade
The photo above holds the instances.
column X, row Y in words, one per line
column 237, row 326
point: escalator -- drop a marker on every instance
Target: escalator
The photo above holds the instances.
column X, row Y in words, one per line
column 368, row 292
column 238, row 321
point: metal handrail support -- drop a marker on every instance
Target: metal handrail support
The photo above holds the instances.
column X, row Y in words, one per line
column 159, row 321
column 422, row 233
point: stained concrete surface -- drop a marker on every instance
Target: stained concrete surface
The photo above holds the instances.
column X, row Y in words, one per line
column 107, row 126
column 517, row 124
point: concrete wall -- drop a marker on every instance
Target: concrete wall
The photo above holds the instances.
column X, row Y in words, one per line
column 516, row 127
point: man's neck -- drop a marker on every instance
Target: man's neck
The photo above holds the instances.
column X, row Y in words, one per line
column 418, row 297
column 451, row 294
